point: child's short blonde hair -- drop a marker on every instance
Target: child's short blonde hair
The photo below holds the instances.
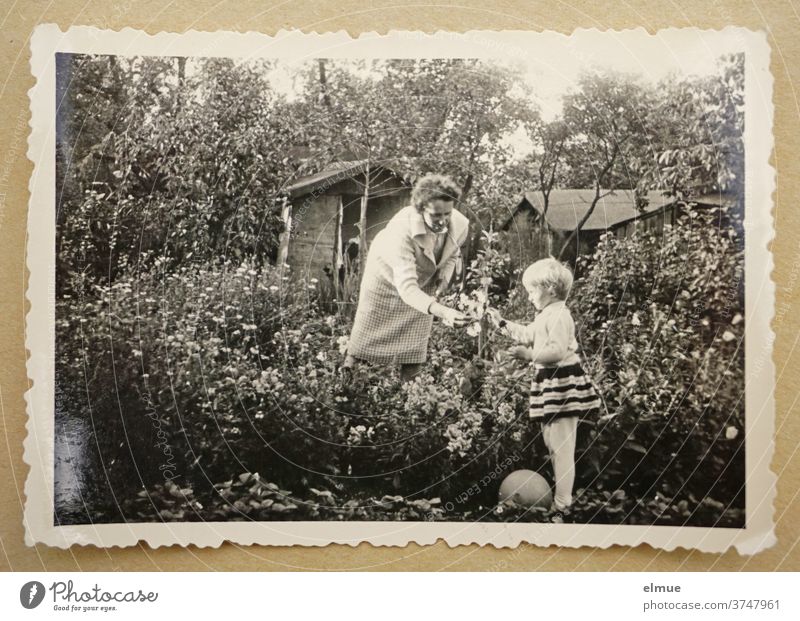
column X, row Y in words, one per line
column 551, row 274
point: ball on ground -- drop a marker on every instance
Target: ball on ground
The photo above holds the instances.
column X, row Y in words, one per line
column 526, row 488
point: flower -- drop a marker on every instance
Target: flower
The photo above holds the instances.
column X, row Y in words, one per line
column 731, row 432
column 505, row 413
column 474, row 329
column 728, row 336
column 356, row 434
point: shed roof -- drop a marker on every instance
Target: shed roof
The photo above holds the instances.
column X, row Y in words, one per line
column 332, row 174
column 336, row 172
column 567, row 207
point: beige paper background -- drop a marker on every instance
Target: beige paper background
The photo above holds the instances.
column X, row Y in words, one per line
column 17, row 21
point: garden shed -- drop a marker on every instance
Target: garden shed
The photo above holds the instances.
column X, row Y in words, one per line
column 323, row 209
column 531, row 235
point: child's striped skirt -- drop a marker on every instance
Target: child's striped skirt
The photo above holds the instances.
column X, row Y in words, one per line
column 557, row 392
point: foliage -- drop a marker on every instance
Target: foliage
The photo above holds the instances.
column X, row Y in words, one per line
column 249, row 497
column 662, row 318
column 488, row 281
column 237, row 366
column 178, row 353
column 160, row 159
column 187, row 159
column 699, row 129
column 606, row 119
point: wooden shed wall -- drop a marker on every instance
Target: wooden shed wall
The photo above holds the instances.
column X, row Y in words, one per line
column 313, row 237
column 379, row 212
column 524, row 241
column 654, row 221
column 314, row 240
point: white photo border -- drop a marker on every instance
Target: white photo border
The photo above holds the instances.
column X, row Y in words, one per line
column 48, row 39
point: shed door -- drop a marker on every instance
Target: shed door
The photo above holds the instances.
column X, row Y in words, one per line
column 352, row 212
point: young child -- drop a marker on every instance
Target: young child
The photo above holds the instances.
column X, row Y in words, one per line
column 560, row 392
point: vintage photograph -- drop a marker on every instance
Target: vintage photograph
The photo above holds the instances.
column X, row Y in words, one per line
column 494, row 289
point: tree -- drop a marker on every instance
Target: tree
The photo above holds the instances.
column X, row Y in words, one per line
column 168, row 159
column 607, row 120
column 455, row 114
column 698, row 125
column 547, row 163
column 343, row 109
column 419, row 116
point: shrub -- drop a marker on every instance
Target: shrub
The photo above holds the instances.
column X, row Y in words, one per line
column 661, row 321
column 175, row 368
column 197, row 377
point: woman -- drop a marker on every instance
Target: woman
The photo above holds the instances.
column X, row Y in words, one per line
column 409, row 263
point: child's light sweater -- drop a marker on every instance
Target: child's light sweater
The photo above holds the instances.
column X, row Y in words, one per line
column 553, row 328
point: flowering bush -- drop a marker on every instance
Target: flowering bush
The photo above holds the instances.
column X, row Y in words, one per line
column 661, row 321
column 195, row 376
column 184, row 369
column 188, row 374
column 489, row 279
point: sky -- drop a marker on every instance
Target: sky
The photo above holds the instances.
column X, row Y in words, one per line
column 551, row 63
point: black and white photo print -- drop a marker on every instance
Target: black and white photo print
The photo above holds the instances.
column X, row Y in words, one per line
column 487, row 287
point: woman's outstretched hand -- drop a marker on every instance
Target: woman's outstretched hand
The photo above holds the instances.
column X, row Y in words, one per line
column 454, row 318
column 450, row 316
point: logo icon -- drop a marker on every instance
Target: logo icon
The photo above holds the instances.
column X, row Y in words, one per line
column 31, row 594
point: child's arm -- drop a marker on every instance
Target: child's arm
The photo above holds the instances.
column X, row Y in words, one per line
column 560, row 333
column 521, row 333
column 550, row 353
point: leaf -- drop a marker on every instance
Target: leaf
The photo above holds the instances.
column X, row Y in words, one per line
column 635, row 446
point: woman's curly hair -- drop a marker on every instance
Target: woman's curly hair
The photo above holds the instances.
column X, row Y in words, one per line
column 434, row 187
